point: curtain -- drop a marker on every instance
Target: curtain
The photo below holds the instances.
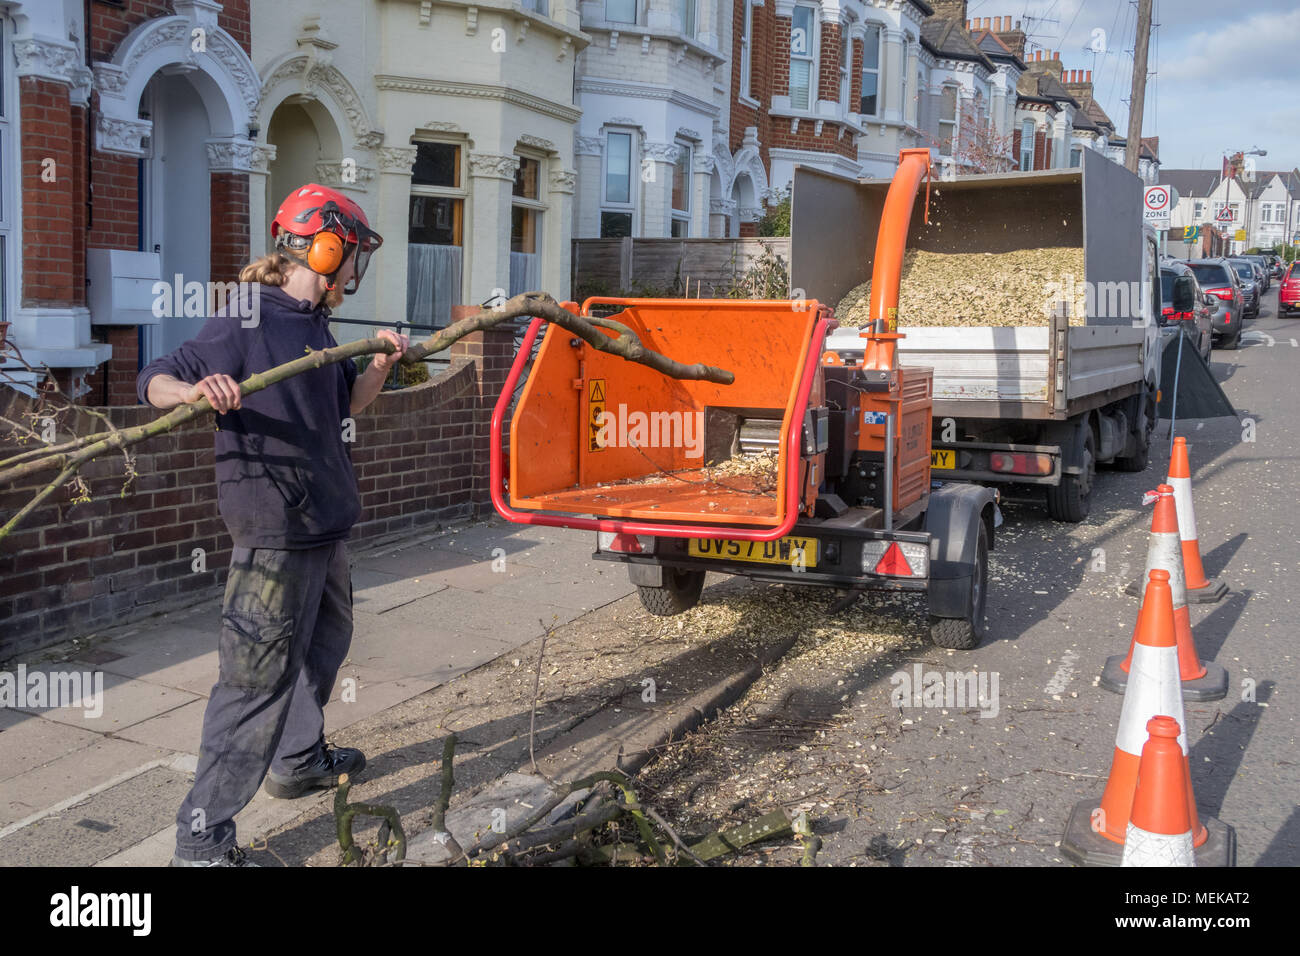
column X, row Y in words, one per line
column 525, row 272
column 432, row 283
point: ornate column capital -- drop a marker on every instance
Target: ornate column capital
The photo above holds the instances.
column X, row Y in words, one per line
column 492, row 166
column 563, row 180
column 397, row 159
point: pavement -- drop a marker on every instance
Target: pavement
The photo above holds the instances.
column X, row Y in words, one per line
column 82, row 789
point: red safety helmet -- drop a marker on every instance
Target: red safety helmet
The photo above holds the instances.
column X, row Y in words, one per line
column 329, row 227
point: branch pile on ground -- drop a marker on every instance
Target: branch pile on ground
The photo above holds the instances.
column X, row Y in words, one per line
column 979, row 288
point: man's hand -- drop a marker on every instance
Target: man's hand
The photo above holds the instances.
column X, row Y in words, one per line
column 221, row 390
column 371, row 381
column 384, row 361
column 166, row 392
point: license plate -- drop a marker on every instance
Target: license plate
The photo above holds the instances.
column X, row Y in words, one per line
column 782, row 551
column 943, row 458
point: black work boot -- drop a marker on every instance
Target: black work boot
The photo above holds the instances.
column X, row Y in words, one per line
column 232, row 857
column 324, row 773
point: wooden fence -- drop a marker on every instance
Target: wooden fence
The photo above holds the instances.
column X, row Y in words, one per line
column 700, row 268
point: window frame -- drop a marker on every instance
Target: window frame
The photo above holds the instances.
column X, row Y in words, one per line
column 1030, row 126
column 692, row 29
column 747, row 52
column 952, row 143
column 812, row 57
column 633, row 167
column 877, row 71
column 539, row 205
column 636, row 12
column 846, row 70
column 460, row 192
column 682, row 215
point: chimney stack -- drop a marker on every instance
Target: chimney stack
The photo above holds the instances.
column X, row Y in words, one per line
column 988, row 22
column 1089, row 75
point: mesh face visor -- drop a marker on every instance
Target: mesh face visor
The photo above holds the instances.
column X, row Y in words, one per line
column 361, row 243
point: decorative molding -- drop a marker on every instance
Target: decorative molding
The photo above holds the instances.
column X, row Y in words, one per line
column 639, row 91
column 55, row 60
column 645, row 44
column 492, row 166
column 440, row 126
column 416, row 84
column 263, row 156
column 563, row 181
column 538, row 143
column 121, row 136
column 566, row 47
column 331, row 174
column 315, row 75
column 661, row 152
column 702, row 162
column 230, row 155
column 586, row 145
column 613, row 39
column 691, row 134
column 396, row 159
column 722, row 207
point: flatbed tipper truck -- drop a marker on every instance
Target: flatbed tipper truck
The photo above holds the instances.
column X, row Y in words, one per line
column 1040, row 404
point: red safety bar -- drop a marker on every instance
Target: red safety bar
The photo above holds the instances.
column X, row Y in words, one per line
column 792, row 458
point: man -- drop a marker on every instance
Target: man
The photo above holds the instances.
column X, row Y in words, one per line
column 288, row 494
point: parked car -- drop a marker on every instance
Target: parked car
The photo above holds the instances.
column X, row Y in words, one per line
column 1288, row 295
column 1185, row 304
column 1219, row 281
column 1250, row 287
column 1265, row 275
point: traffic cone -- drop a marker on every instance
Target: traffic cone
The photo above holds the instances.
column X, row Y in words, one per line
column 1095, row 831
column 1159, row 829
column 1200, row 681
column 1200, row 590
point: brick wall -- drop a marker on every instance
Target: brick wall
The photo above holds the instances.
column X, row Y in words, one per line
column 229, row 240
column 420, row 455
column 50, row 193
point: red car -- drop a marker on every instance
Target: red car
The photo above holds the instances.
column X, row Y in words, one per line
column 1288, row 296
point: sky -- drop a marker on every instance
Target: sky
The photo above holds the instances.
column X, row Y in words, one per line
column 1223, row 72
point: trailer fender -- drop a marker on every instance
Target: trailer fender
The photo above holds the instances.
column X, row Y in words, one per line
column 952, row 519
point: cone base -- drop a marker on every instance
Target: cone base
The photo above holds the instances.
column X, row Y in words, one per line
column 1212, row 593
column 1212, row 686
column 1083, row 846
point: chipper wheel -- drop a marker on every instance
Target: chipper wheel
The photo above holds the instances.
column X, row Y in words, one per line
column 679, row 592
column 965, row 633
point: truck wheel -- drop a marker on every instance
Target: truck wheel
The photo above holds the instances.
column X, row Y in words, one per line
column 1071, row 500
column 965, row 633
column 1140, row 461
column 679, row 592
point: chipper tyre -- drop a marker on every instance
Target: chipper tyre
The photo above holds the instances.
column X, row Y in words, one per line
column 965, row 633
column 679, row 592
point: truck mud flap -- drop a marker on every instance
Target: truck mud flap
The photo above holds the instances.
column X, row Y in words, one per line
column 952, row 518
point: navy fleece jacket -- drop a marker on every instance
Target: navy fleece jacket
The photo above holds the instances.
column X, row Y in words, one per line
column 284, row 473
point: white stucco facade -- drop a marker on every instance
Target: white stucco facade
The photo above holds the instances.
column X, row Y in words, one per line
column 403, row 103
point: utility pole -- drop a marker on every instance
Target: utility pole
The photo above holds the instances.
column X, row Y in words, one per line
column 1136, row 99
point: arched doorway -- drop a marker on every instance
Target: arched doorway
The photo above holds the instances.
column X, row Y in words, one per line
column 175, row 208
column 742, row 201
column 303, row 134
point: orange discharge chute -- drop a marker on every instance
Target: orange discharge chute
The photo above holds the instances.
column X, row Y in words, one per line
column 891, row 243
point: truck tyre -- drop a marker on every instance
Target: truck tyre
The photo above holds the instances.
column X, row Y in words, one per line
column 1071, row 500
column 1139, row 461
column 679, row 592
column 965, row 633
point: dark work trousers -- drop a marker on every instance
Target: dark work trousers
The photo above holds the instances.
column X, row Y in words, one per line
column 286, row 628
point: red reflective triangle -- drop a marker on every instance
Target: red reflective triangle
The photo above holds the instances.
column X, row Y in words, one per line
column 894, row 562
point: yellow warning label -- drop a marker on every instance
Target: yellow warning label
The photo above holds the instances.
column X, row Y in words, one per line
column 595, row 413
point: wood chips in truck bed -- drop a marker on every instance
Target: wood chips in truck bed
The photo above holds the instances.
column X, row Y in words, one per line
column 979, row 288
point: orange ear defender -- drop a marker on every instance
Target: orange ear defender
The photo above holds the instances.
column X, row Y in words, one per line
column 326, row 253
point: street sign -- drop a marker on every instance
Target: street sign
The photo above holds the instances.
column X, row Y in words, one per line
column 1157, row 203
column 1191, row 233
column 1224, row 215
column 1240, row 235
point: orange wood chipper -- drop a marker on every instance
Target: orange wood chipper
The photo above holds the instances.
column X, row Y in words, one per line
column 812, row 467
